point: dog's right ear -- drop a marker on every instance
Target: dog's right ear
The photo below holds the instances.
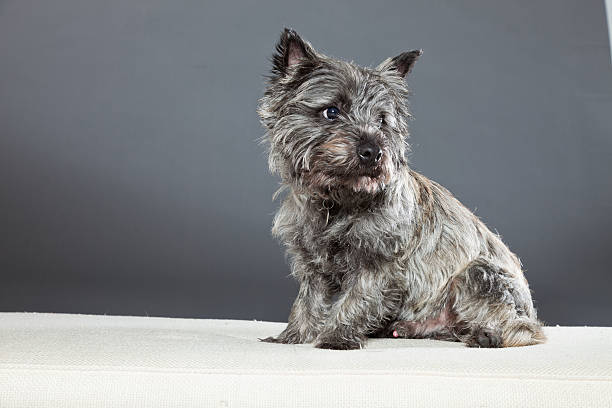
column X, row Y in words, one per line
column 401, row 64
column 291, row 50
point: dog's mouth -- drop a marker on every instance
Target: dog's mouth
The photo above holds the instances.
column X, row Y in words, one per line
column 371, row 181
column 370, row 172
column 351, row 178
column 368, row 183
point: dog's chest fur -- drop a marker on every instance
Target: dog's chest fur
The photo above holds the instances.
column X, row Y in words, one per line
column 338, row 240
column 393, row 234
column 341, row 240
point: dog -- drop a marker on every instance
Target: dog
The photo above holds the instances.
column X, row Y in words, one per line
column 378, row 249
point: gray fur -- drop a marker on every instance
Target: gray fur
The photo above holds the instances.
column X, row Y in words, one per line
column 379, row 251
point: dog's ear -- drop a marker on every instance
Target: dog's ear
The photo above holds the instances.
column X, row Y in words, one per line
column 291, row 50
column 402, row 63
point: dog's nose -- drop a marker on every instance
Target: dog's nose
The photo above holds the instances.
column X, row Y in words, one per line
column 369, row 153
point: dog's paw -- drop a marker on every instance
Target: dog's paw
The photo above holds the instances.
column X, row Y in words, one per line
column 286, row 337
column 404, row 329
column 271, row 340
column 484, row 338
column 335, row 343
column 338, row 345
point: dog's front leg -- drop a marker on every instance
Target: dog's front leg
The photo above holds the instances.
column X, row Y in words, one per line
column 308, row 314
column 360, row 309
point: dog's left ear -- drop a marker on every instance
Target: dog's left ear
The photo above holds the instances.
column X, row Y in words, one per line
column 291, row 50
column 402, row 63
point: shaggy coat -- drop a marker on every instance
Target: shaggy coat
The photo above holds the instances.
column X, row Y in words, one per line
column 378, row 249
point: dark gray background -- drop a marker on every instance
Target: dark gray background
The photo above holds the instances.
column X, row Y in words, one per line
column 131, row 180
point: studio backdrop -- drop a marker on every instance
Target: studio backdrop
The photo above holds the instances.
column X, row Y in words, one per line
column 132, row 181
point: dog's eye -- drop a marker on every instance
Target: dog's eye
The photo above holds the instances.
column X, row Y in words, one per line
column 381, row 119
column 331, row 113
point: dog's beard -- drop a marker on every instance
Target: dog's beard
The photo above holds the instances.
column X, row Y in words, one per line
column 368, row 184
column 327, row 181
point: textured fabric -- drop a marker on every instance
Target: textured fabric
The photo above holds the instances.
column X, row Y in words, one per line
column 58, row 360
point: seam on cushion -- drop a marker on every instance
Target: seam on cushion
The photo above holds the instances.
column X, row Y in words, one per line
column 296, row 373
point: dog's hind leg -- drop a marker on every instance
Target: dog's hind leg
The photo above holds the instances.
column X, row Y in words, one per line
column 493, row 307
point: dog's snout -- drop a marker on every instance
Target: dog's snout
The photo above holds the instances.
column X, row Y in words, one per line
column 369, row 153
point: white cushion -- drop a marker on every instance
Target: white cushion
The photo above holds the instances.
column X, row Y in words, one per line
column 59, row 360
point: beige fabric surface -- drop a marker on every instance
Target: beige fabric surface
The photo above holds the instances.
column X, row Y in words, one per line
column 59, row 360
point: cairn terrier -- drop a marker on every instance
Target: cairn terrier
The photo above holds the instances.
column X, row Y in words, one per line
column 378, row 249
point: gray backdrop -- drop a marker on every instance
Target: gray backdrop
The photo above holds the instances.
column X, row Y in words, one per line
column 131, row 180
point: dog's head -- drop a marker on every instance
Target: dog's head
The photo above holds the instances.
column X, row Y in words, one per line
column 332, row 125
